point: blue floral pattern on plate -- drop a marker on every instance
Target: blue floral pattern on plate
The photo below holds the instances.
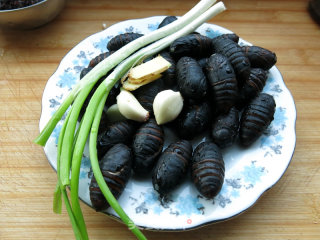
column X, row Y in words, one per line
column 249, row 172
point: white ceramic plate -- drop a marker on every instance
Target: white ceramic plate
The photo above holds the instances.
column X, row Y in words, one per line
column 249, row 172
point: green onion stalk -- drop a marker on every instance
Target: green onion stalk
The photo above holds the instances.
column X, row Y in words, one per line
column 71, row 145
column 88, row 117
column 110, row 62
column 61, row 190
column 99, row 98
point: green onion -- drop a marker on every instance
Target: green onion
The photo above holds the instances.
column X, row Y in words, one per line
column 99, row 177
column 61, row 190
column 76, row 229
column 57, row 201
column 102, row 92
column 71, row 143
column 107, row 64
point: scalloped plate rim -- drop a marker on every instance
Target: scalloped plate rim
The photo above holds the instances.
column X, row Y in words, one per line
column 252, row 203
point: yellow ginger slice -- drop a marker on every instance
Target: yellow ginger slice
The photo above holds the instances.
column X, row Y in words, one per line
column 148, row 69
column 129, row 86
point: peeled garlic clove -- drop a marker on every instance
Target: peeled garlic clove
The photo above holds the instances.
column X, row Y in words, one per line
column 113, row 114
column 130, row 108
column 167, row 105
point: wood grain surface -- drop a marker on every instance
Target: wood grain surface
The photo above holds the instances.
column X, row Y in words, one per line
column 290, row 210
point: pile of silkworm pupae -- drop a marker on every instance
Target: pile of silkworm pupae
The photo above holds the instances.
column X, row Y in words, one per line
column 221, row 84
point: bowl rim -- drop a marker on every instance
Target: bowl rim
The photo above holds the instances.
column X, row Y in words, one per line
column 23, row 8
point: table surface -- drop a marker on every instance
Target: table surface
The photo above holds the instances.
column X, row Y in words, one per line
column 290, row 210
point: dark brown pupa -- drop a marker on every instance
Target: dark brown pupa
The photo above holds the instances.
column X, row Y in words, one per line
column 255, row 118
column 207, row 169
column 253, row 86
column 232, row 36
column 112, row 96
column 260, row 57
column 222, row 81
column 147, row 146
column 172, row 166
column 169, row 76
column 203, row 63
column 167, row 20
column 116, row 168
column 118, row 132
column 99, row 58
column 225, row 128
column 146, row 94
column 234, row 53
column 192, row 45
column 192, row 82
column 121, row 40
column 193, row 120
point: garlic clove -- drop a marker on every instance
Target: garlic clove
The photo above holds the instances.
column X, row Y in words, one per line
column 113, row 114
column 130, row 108
column 167, row 105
